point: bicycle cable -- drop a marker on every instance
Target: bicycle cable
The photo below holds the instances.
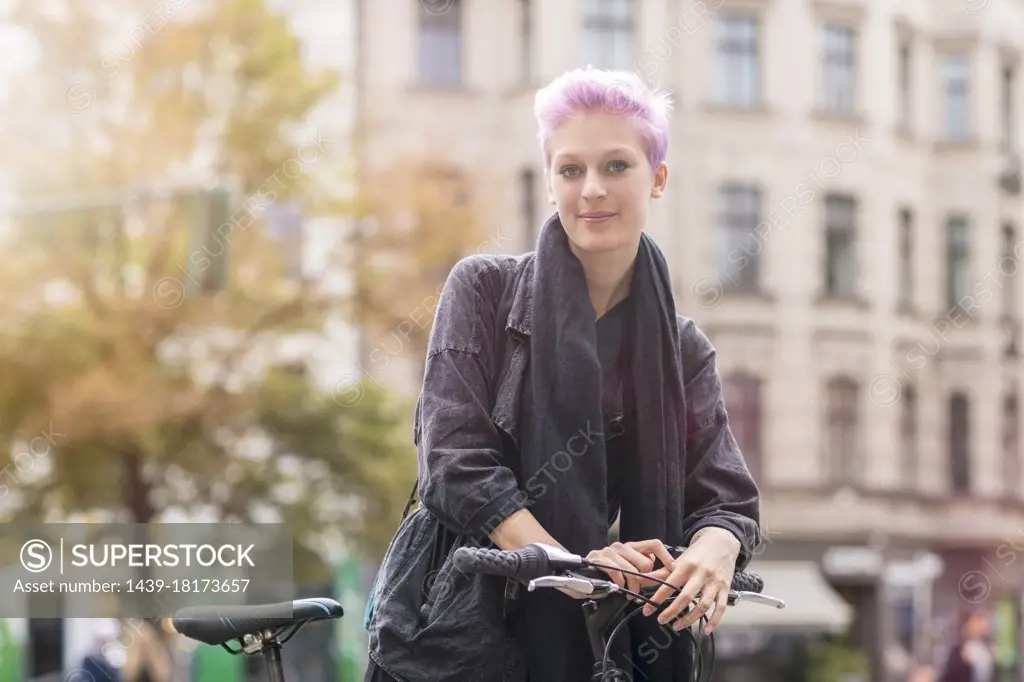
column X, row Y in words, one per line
column 696, row 641
column 698, row 658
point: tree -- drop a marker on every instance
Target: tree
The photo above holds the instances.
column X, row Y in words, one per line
column 128, row 384
column 419, row 219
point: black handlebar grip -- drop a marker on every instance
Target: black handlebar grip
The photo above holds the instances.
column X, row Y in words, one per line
column 526, row 564
column 747, row 582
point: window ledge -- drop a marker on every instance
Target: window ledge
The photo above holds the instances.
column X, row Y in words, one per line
column 957, row 146
column 959, row 316
column 849, row 301
column 417, row 88
column 838, row 117
column 905, row 134
column 521, row 88
column 908, row 310
column 755, row 295
column 714, row 293
column 756, row 110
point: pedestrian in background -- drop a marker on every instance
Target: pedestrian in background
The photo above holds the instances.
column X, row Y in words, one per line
column 148, row 658
column 972, row 658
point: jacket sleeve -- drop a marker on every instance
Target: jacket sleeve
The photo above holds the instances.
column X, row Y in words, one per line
column 719, row 488
column 463, row 478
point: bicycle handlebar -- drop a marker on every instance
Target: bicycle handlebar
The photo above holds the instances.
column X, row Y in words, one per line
column 538, row 560
column 542, row 565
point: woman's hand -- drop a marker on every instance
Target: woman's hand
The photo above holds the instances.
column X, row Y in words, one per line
column 706, row 567
column 633, row 556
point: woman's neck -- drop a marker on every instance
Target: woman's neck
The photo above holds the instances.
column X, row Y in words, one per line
column 608, row 277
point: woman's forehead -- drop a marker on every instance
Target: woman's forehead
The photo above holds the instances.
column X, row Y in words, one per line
column 596, row 135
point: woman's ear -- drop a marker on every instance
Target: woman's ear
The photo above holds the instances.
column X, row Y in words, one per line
column 660, row 180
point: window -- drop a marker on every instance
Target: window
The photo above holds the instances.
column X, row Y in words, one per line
column 959, row 444
column 906, row 262
column 956, row 82
column 840, row 241
column 908, row 436
column 1011, row 444
column 528, row 206
column 905, row 98
column 1008, row 268
column 839, row 68
column 843, row 438
column 1009, row 88
column 284, row 225
column 526, row 41
column 609, row 40
column 957, row 260
column 738, row 72
column 742, row 394
column 739, row 251
column 440, row 44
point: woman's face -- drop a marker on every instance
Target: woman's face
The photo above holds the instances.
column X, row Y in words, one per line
column 977, row 626
column 601, row 182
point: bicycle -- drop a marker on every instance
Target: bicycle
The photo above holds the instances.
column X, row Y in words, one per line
column 258, row 628
column 541, row 565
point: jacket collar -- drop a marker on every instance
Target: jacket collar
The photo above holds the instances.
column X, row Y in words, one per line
column 520, row 316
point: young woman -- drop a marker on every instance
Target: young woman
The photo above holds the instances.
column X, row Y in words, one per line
column 562, row 390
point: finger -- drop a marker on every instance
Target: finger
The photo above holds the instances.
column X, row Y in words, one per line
column 636, row 562
column 707, row 599
column 629, row 582
column 655, row 547
column 680, row 574
column 685, row 597
column 721, row 604
column 642, row 561
column 606, row 557
column 654, row 576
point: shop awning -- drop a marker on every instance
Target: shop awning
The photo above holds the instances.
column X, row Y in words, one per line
column 811, row 603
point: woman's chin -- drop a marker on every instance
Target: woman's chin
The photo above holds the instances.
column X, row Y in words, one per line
column 590, row 243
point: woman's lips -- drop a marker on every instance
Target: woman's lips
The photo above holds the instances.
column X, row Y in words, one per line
column 597, row 217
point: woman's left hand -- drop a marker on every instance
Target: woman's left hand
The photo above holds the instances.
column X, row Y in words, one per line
column 706, row 567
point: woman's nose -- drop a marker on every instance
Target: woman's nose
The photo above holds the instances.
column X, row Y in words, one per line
column 593, row 188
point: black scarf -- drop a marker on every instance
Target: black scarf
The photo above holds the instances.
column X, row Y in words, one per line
column 562, row 450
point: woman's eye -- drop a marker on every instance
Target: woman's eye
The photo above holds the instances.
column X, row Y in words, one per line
column 569, row 171
column 618, row 166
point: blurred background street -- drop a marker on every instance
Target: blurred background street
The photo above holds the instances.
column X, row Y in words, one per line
column 225, row 224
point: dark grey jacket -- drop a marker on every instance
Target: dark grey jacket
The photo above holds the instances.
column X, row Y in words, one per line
column 432, row 623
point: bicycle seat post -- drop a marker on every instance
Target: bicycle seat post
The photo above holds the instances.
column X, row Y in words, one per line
column 267, row 644
column 272, row 655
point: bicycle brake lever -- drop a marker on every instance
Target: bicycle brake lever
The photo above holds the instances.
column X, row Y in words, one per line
column 757, row 598
column 575, row 584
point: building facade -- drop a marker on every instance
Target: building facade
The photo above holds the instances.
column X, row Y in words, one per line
column 843, row 218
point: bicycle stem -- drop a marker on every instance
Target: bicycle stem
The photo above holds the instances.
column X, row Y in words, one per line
column 598, row 615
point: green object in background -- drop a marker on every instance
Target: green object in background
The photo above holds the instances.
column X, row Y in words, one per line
column 1006, row 633
column 213, row 664
column 351, row 637
column 10, row 654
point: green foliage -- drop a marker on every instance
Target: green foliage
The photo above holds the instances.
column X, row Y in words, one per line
column 836, row 661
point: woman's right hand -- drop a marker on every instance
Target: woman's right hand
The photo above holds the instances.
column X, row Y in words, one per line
column 632, row 556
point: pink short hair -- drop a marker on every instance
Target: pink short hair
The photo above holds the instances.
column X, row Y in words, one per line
column 592, row 90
